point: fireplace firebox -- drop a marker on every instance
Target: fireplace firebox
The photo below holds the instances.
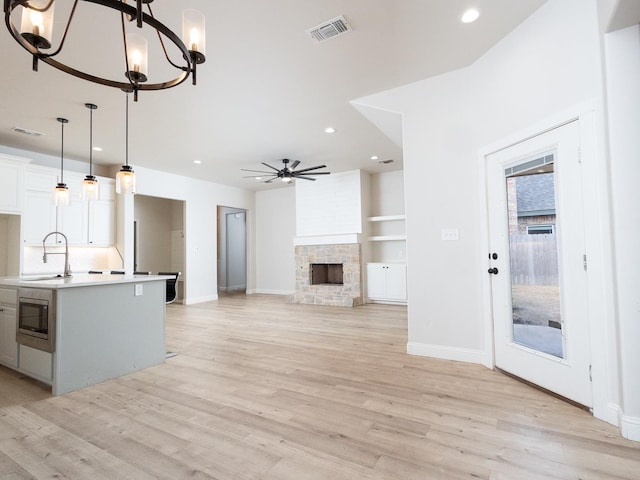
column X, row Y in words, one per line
column 327, row 274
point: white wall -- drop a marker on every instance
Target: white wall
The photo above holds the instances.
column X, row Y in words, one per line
column 623, row 89
column 550, row 64
column 275, row 231
column 202, row 199
column 331, row 205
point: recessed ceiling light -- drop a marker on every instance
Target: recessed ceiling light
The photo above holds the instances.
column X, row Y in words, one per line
column 197, row 162
column 330, row 130
column 374, row 157
column 470, row 15
column 97, row 149
column 258, row 178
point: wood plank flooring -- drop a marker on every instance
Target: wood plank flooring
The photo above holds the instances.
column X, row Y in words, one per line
column 261, row 389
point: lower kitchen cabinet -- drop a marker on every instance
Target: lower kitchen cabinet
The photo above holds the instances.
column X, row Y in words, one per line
column 387, row 282
column 8, row 320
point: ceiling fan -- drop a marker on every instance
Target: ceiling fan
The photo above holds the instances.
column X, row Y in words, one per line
column 287, row 172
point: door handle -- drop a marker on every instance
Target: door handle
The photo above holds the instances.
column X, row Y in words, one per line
column 493, row 271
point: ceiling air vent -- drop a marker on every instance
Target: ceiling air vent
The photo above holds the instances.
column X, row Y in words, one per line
column 26, row 131
column 329, row 29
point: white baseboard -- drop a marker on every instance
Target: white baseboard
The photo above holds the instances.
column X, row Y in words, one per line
column 208, row 298
column 268, row 291
column 445, row 353
column 629, row 426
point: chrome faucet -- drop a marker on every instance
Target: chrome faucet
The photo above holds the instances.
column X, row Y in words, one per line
column 67, row 268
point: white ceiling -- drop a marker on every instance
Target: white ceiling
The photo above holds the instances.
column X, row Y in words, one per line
column 266, row 91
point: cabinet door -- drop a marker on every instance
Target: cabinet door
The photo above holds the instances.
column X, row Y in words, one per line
column 8, row 344
column 39, row 216
column 102, row 223
column 396, row 282
column 72, row 221
column 376, row 281
column 10, row 187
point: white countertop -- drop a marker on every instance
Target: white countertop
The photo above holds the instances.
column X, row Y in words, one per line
column 76, row 280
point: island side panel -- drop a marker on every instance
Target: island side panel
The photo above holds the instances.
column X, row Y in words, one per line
column 106, row 331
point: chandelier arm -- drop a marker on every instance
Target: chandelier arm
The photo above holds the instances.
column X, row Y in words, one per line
column 139, row 13
column 25, row 3
column 66, row 30
column 164, row 49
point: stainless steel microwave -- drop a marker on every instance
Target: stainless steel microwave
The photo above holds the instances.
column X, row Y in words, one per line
column 36, row 318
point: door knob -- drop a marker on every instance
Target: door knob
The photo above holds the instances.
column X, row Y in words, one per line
column 493, row 271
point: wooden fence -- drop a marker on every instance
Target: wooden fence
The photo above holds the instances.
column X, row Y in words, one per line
column 534, row 259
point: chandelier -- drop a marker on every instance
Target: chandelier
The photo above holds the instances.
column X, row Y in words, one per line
column 36, row 33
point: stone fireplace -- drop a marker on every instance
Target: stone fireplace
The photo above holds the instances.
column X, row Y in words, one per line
column 317, row 275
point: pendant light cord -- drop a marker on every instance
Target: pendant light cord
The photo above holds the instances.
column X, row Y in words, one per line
column 126, row 153
column 62, row 155
column 90, row 141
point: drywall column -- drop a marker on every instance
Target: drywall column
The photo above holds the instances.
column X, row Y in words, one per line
column 623, row 78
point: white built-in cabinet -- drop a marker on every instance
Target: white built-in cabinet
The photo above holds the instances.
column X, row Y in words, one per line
column 387, row 270
column 10, row 185
column 8, row 322
column 387, row 282
column 83, row 223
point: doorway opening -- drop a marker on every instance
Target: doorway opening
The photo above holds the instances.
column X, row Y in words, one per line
column 232, row 250
column 159, row 238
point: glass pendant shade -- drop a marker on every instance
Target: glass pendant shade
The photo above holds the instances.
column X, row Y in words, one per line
column 90, row 188
column 36, row 27
column 126, row 180
column 193, row 34
column 61, row 195
column 137, row 57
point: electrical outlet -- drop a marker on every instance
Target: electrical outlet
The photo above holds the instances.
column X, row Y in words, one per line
column 450, row 234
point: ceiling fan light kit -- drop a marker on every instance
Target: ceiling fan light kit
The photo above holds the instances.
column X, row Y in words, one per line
column 36, row 36
column 287, row 173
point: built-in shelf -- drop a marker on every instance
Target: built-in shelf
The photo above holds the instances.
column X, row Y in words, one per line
column 386, row 238
column 386, row 218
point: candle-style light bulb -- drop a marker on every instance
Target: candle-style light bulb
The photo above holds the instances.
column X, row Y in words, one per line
column 136, row 58
column 194, row 37
column 37, row 23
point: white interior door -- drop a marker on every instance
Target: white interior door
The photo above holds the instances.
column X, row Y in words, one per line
column 537, row 263
column 236, row 251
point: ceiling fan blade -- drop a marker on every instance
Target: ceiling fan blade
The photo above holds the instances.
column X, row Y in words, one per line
column 294, row 164
column 256, row 171
column 272, row 168
column 311, row 168
column 305, row 178
column 295, row 174
column 260, row 176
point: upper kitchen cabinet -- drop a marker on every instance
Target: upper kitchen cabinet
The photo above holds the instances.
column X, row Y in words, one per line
column 83, row 223
column 11, row 174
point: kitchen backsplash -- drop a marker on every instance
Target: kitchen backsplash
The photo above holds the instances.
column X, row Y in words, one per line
column 81, row 259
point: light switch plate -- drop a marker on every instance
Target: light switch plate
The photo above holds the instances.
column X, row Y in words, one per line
column 450, row 234
column 138, row 290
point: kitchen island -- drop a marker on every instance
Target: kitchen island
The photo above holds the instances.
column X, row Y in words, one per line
column 105, row 326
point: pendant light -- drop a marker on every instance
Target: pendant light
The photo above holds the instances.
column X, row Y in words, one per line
column 126, row 178
column 90, row 186
column 61, row 192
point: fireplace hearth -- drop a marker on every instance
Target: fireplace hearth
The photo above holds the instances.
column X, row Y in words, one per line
column 328, row 275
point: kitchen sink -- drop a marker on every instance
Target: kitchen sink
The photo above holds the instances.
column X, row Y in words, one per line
column 36, row 279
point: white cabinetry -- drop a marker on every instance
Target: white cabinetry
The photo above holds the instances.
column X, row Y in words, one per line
column 8, row 321
column 10, row 186
column 82, row 222
column 387, row 282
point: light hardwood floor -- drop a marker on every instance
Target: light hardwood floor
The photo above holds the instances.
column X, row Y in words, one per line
column 261, row 389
